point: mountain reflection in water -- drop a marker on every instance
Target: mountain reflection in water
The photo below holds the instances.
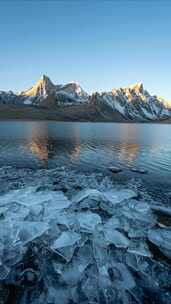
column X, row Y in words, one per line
column 38, row 142
column 87, row 146
column 46, row 146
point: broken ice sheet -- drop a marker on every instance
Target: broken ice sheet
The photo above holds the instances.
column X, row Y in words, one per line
column 99, row 247
column 66, row 243
column 14, row 211
column 11, row 253
column 89, row 285
column 119, row 196
column 88, row 221
column 138, row 210
column 162, row 239
column 116, row 238
column 64, row 218
column 36, row 213
column 153, row 275
column 123, row 278
column 88, row 263
column 91, row 193
column 6, row 232
column 87, row 199
column 161, row 209
column 104, row 279
column 140, row 248
column 136, row 218
column 134, row 229
column 26, row 232
column 114, row 197
column 67, row 238
column 21, row 232
column 106, row 291
column 57, row 201
column 113, row 223
column 4, row 271
column 94, row 199
column 73, row 271
column 29, row 196
column 136, row 262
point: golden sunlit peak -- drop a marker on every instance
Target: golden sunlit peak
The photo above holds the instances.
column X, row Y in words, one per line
column 138, row 87
column 42, row 87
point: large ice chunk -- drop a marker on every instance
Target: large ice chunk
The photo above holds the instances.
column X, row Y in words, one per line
column 12, row 233
column 31, row 205
column 125, row 279
column 119, row 196
column 16, row 236
column 30, row 196
column 140, row 248
column 14, row 211
column 137, row 218
column 56, row 204
column 66, row 243
column 93, row 194
column 26, row 232
column 162, row 239
column 139, row 210
column 99, row 247
column 67, row 238
column 65, row 219
column 113, row 223
column 90, row 286
column 94, row 199
column 88, row 199
column 161, row 209
column 72, row 273
column 116, row 238
column 88, row 220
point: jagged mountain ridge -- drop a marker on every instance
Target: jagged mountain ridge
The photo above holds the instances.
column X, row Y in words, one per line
column 135, row 103
column 44, row 88
column 132, row 103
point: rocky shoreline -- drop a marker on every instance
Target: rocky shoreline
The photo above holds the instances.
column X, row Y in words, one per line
column 81, row 238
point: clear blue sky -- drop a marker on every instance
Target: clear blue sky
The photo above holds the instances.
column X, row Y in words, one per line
column 101, row 44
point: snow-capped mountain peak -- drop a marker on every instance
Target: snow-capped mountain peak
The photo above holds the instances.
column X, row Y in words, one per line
column 130, row 103
column 137, row 87
column 75, row 91
column 43, row 87
column 71, row 93
column 135, row 103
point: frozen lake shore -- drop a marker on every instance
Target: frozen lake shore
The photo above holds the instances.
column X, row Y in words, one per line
column 81, row 238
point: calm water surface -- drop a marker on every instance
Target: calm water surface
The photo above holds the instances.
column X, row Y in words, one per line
column 88, row 146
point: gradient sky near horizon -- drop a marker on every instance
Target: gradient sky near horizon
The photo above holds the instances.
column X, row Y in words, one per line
column 100, row 44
